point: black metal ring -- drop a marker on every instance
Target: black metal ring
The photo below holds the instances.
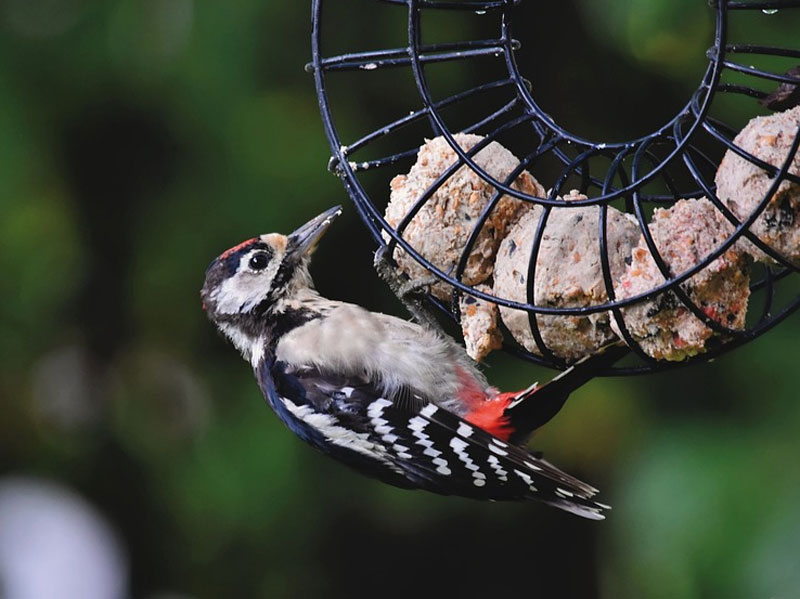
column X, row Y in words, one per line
column 628, row 167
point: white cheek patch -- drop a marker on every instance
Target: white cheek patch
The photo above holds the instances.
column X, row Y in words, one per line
column 246, row 289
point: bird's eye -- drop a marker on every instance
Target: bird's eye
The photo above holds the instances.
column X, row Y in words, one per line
column 259, row 261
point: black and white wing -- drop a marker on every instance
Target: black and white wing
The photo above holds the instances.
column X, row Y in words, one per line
column 407, row 441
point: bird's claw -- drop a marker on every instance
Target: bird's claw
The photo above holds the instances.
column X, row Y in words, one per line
column 411, row 292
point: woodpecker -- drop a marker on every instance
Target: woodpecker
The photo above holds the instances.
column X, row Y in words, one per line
column 396, row 400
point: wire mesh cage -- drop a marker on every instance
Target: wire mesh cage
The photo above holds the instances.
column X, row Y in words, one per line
column 677, row 161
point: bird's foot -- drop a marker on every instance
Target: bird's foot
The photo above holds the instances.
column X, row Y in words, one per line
column 412, row 293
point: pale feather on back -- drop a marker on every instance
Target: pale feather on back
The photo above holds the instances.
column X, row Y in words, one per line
column 393, row 353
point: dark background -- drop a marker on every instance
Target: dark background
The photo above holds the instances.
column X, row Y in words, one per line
column 139, row 138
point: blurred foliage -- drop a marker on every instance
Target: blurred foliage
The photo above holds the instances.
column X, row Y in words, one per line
column 663, row 35
column 141, row 137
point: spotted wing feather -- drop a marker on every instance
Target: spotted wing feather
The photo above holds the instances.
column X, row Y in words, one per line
column 409, row 442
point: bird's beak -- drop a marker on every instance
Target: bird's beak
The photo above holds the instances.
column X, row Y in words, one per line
column 304, row 240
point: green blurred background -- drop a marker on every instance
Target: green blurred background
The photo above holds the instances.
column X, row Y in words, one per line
column 139, row 138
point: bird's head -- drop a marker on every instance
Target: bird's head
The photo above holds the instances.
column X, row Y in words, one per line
column 243, row 283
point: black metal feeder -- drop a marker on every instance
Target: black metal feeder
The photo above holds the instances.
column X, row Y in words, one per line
column 678, row 160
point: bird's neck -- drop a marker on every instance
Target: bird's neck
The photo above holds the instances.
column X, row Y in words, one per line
column 255, row 335
column 248, row 339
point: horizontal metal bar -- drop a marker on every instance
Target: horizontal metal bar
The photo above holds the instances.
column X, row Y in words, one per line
column 733, row 88
column 476, row 7
column 398, row 57
column 754, row 72
column 765, row 50
column 777, row 5
column 419, row 114
column 394, row 158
